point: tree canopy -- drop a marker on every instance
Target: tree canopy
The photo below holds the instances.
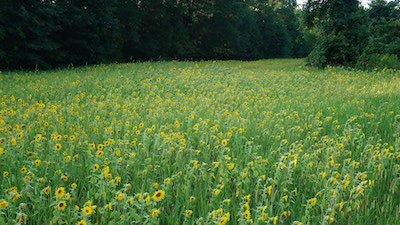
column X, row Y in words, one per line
column 353, row 36
column 45, row 33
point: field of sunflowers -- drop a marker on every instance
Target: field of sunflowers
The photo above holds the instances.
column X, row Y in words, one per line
column 217, row 142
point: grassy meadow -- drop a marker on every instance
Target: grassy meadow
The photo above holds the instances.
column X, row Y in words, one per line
column 225, row 142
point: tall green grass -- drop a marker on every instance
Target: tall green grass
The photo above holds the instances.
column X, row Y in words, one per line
column 227, row 142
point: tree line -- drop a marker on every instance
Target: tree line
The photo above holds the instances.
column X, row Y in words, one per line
column 50, row 33
column 45, row 34
column 351, row 35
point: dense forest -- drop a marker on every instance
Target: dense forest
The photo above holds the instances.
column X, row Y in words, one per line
column 45, row 34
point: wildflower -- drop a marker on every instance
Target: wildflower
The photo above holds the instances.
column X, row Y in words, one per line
column 345, row 184
column 192, row 198
column 247, row 206
column 247, row 215
column 38, row 137
column 341, row 205
column 64, row 178
column 61, row 205
column 121, row 196
column 37, row 162
column 68, row 158
column 96, row 167
column 275, row 220
column 148, row 198
column 220, row 211
column 16, row 197
column 47, row 190
column 155, row 212
column 3, row 204
column 159, row 195
column 264, row 217
column 248, row 198
column 99, row 153
column 58, row 146
column 13, row 190
column 269, row 190
column 224, row 142
column 263, row 209
column 67, row 196
column 87, row 210
column 60, row 192
column 188, row 213
column 23, row 217
column 23, row 170
column 223, row 221
column 313, row 201
column 82, row 222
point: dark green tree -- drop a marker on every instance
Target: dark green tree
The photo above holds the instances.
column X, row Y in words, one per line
column 89, row 31
column 51, row 33
column 223, row 35
column 383, row 47
column 342, row 31
column 129, row 18
column 162, row 30
column 25, row 33
column 294, row 30
column 250, row 38
column 275, row 38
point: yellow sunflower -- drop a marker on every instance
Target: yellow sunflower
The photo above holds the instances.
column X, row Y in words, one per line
column 159, row 195
column 60, row 192
column 87, row 210
column 82, row 222
column 61, row 205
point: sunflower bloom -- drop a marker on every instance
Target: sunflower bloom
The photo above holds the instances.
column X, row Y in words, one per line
column 188, row 213
column 155, row 213
column 61, row 205
column 87, row 210
column 60, row 192
column 313, row 201
column 159, row 195
column 3, row 204
column 82, row 222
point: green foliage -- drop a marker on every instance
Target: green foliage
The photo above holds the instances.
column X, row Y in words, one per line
column 25, row 33
column 218, row 138
column 88, row 31
column 43, row 34
column 383, row 47
column 379, row 61
column 298, row 47
column 352, row 36
column 342, row 31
